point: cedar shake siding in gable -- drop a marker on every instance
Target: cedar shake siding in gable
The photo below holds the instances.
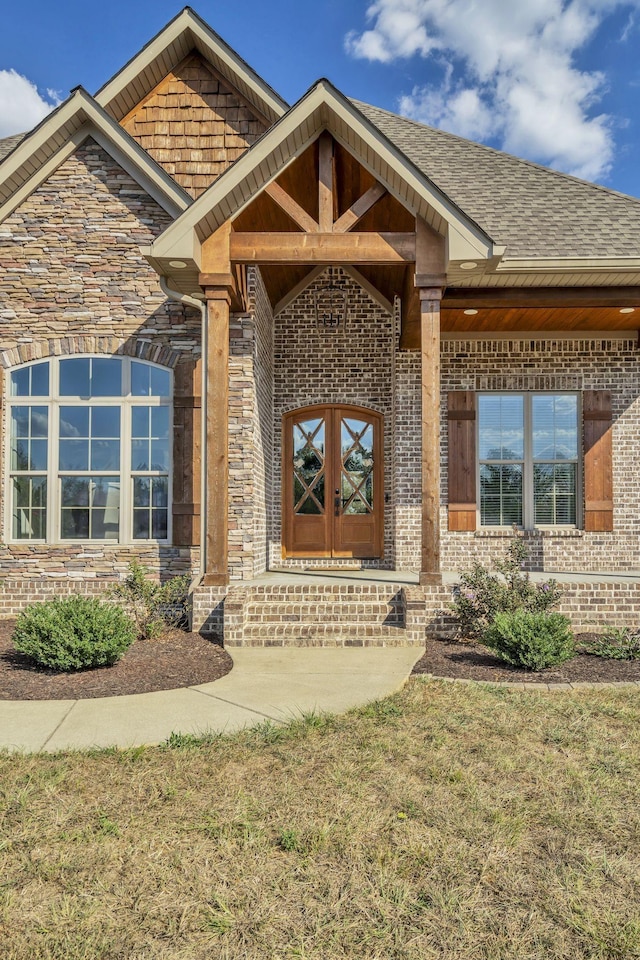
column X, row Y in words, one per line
column 193, row 125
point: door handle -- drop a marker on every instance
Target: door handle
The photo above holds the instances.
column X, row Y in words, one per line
column 336, row 504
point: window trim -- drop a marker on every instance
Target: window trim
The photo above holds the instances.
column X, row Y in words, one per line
column 53, row 401
column 528, row 514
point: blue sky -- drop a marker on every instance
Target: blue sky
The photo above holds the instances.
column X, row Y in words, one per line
column 556, row 81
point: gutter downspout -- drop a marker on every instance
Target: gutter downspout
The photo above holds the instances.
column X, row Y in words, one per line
column 202, row 307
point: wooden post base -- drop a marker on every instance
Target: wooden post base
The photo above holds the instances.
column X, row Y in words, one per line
column 430, row 579
column 215, row 580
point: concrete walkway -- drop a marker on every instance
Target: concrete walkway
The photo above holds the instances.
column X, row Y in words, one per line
column 265, row 684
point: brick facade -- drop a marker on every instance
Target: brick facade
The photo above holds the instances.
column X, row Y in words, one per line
column 250, row 434
column 561, row 364
column 353, row 365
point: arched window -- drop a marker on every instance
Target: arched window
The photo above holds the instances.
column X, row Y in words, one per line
column 89, row 450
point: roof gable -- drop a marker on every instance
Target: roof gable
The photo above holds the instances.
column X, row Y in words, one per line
column 322, row 108
column 157, row 58
column 39, row 153
column 193, row 124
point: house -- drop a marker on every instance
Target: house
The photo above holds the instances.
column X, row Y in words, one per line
column 318, row 355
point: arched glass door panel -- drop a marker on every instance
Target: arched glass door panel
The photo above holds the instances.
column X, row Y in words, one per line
column 333, row 482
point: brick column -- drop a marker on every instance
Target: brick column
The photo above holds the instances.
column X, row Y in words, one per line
column 430, row 362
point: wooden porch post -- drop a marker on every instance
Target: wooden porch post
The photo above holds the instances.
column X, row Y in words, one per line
column 430, row 356
column 216, row 570
column 430, row 280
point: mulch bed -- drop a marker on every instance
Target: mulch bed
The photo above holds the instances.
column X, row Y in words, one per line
column 177, row 659
column 471, row 661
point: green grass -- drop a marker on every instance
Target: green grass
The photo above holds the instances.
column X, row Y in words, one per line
column 450, row 821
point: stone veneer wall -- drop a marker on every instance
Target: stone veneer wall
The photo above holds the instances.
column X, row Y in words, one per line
column 354, row 366
column 250, row 434
column 561, row 364
column 72, row 279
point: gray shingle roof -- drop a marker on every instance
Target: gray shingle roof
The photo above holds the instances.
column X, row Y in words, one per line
column 8, row 143
column 534, row 211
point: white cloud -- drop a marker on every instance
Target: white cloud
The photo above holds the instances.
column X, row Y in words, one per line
column 21, row 106
column 510, row 72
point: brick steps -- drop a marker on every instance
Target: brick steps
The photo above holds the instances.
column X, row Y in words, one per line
column 330, row 614
column 323, row 635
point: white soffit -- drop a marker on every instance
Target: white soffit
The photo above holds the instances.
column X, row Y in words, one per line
column 60, row 134
column 323, row 107
column 157, row 58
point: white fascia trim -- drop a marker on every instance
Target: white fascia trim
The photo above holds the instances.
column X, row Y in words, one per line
column 315, row 106
column 136, row 173
column 45, row 171
column 186, row 22
column 465, row 230
column 90, row 120
column 568, row 265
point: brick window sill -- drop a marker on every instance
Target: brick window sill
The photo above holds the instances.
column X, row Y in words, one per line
column 550, row 533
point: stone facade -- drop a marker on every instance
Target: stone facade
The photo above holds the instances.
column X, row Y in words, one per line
column 73, row 280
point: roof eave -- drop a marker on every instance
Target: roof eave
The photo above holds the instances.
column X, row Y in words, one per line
column 60, row 133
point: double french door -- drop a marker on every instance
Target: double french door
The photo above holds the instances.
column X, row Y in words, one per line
column 333, row 482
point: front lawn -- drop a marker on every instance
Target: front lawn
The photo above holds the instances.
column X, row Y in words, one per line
column 450, row 821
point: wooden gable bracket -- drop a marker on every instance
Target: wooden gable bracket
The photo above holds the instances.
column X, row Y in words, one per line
column 429, row 273
column 219, row 271
column 329, row 240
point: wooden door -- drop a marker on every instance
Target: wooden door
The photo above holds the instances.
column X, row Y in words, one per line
column 333, row 483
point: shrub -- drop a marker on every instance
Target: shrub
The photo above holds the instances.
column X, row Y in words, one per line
column 73, row 633
column 481, row 593
column 530, row 640
column 614, row 644
column 153, row 606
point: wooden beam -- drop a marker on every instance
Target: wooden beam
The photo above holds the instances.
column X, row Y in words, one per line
column 325, row 182
column 327, row 248
column 358, row 209
column 291, row 208
column 215, row 251
column 217, row 453
column 430, row 354
column 410, row 316
column 466, row 298
column 430, row 256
